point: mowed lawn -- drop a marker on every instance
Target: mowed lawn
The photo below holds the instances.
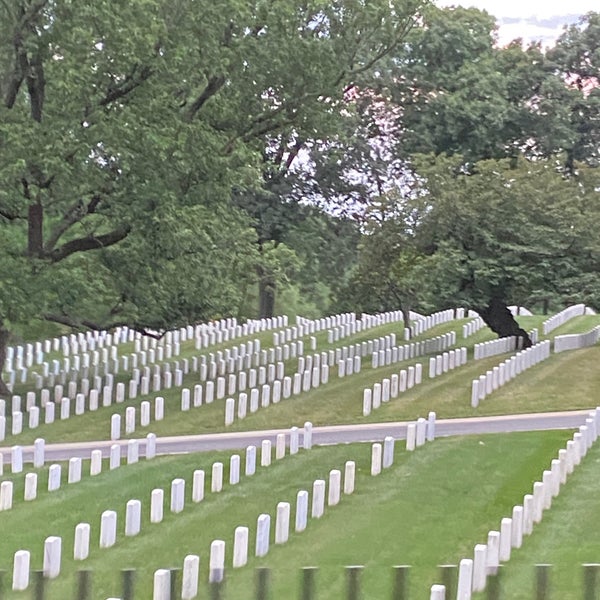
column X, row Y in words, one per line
column 430, row 508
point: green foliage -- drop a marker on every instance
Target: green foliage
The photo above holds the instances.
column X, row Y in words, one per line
column 503, row 231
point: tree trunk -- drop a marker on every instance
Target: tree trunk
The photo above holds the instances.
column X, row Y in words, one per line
column 4, row 335
column 500, row 320
column 266, row 296
column 406, row 317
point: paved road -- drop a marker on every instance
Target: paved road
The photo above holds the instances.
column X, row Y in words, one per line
column 335, row 434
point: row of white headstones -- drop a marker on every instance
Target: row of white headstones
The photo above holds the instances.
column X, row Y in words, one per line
column 382, row 457
column 166, row 381
column 108, row 518
column 575, row 341
column 560, row 318
column 348, row 360
column 473, row 572
column 508, row 370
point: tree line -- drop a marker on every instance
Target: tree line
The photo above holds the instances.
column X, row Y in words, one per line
column 163, row 163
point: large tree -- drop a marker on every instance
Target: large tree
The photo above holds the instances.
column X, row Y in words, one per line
column 125, row 129
column 508, row 187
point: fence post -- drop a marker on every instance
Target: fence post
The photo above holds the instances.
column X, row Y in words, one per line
column 175, row 584
column 307, row 589
column 590, row 581
column 494, row 586
column 449, row 579
column 84, row 585
column 128, row 583
column 216, row 589
column 542, row 586
column 262, row 583
column 400, row 584
column 39, row 585
column 353, row 575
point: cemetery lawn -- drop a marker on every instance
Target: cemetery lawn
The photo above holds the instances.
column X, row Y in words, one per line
column 431, row 507
column 565, row 381
column 567, row 537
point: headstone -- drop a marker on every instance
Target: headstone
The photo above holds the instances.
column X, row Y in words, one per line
column 349, row 476
column 240, row 547
column 115, row 427
column 216, row 481
column 333, row 497
column 54, row 473
column 263, row 528
column 6, row 495
column 307, row 438
column 150, row 446
column 280, row 446
column 133, row 452
column 30, row 487
column 39, row 451
column 177, row 495
column 198, row 486
column 189, row 578
column 133, row 517
column 250, row 468
column 479, row 567
column 216, row 566
column 114, row 457
column 376, row 456
column 318, row 499
column 282, row 523
column 156, row 505
column 74, row 475
column 234, row 469
column 265, row 453
column 162, row 582
column 301, row 510
column 96, row 462
column 411, row 436
column 108, row 529
column 81, row 547
column 21, row 570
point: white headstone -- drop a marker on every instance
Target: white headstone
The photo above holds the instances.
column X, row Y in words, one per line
column 240, row 547
column 216, row 482
column 133, row 517
column 216, row 567
column 189, row 578
column 263, row 529
column 30, row 487
column 108, row 529
column 318, row 499
column 81, row 547
column 301, row 510
column 74, row 475
column 21, row 570
column 349, row 476
column 265, row 453
column 156, row 505
column 177, row 495
column 198, row 486
column 54, row 473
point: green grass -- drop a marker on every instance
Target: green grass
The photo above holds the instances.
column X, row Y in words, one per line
column 566, row 538
column 430, row 508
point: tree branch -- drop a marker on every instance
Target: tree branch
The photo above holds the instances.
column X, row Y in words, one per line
column 73, row 215
column 90, row 242
column 130, row 83
column 215, row 83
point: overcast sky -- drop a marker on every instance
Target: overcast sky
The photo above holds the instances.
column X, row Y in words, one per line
column 530, row 19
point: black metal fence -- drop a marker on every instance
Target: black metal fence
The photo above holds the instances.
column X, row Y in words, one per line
column 308, row 587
